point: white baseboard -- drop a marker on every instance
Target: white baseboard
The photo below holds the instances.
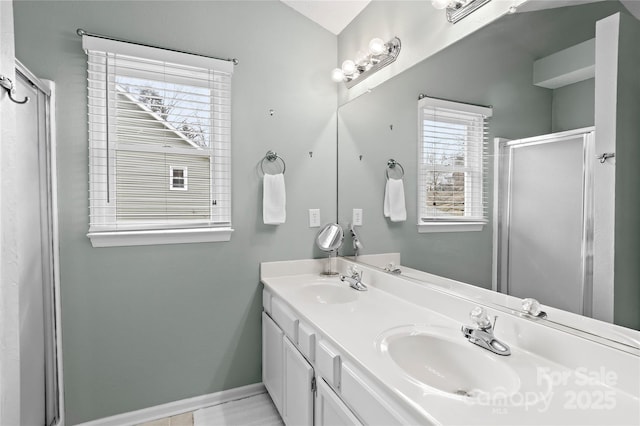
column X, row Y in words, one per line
column 178, row 407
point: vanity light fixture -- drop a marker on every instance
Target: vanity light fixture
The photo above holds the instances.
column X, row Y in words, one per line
column 379, row 55
column 458, row 9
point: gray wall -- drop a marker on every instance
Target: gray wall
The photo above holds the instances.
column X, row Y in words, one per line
column 491, row 67
column 627, row 235
column 573, row 106
column 148, row 325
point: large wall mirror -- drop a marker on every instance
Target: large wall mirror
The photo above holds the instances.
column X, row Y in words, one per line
column 586, row 269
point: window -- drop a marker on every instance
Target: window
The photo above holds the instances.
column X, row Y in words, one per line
column 452, row 161
column 178, row 179
column 159, row 145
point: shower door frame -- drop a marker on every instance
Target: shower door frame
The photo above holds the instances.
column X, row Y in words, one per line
column 503, row 172
column 49, row 148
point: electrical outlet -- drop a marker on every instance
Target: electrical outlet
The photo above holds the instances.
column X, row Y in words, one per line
column 357, row 217
column 314, row 218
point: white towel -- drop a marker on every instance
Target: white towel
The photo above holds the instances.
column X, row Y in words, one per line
column 386, row 208
column 274, row 200
column 394, row 205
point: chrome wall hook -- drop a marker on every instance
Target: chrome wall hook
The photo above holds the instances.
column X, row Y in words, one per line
column 603, row 157
column 8, row 85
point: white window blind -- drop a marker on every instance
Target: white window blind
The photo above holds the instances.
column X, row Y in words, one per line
column 452, row 162
column 152, row 112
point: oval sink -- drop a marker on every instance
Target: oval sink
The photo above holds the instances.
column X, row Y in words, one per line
column 329, row 293
column 455, row 367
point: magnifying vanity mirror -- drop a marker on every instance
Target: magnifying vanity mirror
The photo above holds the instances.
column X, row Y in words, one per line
column 330, row 239
column 545, row 74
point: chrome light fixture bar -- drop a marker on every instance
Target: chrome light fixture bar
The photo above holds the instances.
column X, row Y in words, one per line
column 458, row 9
column 364, row 65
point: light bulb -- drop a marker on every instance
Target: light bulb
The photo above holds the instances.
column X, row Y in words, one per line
column 440, row 4
column 348, row 67
column 377, row 46
column 361, row 58
column 337, row 75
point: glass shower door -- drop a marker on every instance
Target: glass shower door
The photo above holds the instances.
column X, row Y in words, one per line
column 38, row 356
column 545, row 244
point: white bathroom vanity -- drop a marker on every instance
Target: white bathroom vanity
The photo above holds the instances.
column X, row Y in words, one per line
column 395, row 355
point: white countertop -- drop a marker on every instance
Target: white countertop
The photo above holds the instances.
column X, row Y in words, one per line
column 602, row 331
column 356, row 328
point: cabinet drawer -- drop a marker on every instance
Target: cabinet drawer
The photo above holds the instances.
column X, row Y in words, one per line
column 266, row 301
column 307, row 341
column 328, row 364
column 285, row 318
column 363, row 399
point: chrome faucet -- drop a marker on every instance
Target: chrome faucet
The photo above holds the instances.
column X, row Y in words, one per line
column 357, row 245
column 481, row 333
column 355, row 280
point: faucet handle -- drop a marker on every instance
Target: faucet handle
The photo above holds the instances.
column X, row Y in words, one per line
column 392, row 268
column 355, row 272
column 478, row 316
column 532, row 307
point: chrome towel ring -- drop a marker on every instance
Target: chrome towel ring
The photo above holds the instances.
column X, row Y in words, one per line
column 391, row 164
column 272, row 156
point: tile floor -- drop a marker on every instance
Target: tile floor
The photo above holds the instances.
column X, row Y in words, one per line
column 185, row 419
column 257, row 410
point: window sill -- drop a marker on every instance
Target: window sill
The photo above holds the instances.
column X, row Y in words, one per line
column 428, row 227
column 159, row 236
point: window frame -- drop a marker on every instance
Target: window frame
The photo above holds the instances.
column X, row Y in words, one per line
column 185, row 178
column 106, row 231
column 475, row 175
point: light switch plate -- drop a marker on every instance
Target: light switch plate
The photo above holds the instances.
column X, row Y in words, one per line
column 357, row 217
column 314, row 218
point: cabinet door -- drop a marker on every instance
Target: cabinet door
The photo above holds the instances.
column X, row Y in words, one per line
column 272, row 360
column 298, row 394
column 330, row 410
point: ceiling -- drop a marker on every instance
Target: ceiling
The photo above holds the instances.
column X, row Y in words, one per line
column 532, row 5
column 632, row 6
column 335, row 15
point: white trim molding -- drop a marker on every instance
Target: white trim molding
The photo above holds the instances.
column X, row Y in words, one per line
column 159, row 236
column 9, row 277
column 427, row 227
column 495, row 213
column 178, row 407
